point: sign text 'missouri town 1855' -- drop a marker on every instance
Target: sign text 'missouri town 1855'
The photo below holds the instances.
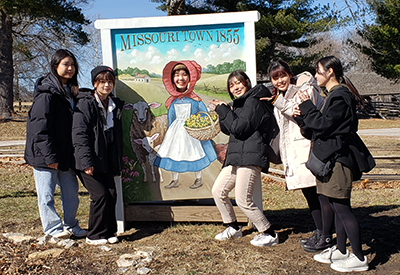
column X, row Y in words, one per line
column 129, row 41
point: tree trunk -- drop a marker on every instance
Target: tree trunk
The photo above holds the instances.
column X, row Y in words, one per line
column 175, row 7
column 6, row 66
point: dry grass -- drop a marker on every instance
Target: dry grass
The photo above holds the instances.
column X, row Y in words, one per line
column 376, row 123
column 13, row 130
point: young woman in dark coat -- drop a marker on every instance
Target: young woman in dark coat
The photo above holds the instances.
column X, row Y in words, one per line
column 49, row 145
column 246, row 122
column 332, row 130
column 97, row 139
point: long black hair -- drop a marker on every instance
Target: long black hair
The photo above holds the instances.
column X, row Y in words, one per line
column 242, row 77
column 55, row 61
column 332, row 62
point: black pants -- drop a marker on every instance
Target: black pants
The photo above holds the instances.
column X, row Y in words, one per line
column 103, row 198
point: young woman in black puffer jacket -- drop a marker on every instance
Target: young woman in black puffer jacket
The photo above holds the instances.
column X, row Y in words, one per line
column 246, row 122
column 49, row 148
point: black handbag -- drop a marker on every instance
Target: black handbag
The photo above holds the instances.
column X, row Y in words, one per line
column 323, row 155
column 319, row 168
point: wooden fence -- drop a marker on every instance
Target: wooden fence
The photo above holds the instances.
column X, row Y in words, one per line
column 22, row 106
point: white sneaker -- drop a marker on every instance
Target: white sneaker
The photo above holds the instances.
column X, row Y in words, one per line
column 265, row 239
column 352, row 263
column 96, row 242
column 331, row 255
column 61, row 235
column 112, row 240
column 228, row 233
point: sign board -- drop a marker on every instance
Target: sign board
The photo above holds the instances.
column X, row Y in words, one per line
column 144, row 52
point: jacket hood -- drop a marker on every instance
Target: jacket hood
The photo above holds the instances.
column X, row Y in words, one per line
column 305, row 78
column 47, row 84
column 85, row 93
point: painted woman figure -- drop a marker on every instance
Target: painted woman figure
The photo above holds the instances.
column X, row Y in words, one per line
column 179, row 152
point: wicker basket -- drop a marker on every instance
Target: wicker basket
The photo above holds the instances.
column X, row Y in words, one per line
column 205, row 133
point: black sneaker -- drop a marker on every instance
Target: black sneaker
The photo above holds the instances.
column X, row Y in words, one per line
column 311, row 240
column 324, row 242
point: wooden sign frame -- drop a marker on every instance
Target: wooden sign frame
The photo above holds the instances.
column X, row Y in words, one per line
column 202, row 210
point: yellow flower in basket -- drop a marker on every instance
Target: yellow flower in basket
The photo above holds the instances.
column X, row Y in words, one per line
column 203, row 127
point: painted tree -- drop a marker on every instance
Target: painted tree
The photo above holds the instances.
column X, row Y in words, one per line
column 383, row 37
column 25, row 27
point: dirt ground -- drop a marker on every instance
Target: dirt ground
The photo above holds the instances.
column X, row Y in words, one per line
column 184, row 248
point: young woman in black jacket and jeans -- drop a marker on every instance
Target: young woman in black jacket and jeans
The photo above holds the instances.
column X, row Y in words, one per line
column 330, row 130
column 49, row 148
column 246, row 122
column 97, row 139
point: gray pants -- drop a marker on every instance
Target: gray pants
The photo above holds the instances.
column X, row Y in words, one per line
column 244, row 179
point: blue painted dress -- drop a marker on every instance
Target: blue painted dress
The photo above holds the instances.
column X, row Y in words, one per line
column 179, row 152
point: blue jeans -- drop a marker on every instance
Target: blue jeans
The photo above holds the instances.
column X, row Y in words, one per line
column 46, row 180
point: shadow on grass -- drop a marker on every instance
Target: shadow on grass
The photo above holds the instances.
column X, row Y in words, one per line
column 379, row 225
column 144, row 229
column 19, row 194
column 31, row 193
column 380, row 228
column 15, row 119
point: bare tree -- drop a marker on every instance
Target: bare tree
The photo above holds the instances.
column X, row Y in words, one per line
column 339, row 45
column 356, row 12
column 90, row 55
column 28, row 23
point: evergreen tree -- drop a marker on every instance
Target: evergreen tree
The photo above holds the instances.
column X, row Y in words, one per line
column 284, row 29
column 24, row 22
column 384, row 39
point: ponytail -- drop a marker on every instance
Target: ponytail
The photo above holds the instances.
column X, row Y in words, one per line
column 352, row 88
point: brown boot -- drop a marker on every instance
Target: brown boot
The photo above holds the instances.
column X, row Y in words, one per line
column 197, row 183
column 173, row 184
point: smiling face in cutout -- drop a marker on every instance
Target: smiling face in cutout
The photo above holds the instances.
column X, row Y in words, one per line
column 181, row 80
